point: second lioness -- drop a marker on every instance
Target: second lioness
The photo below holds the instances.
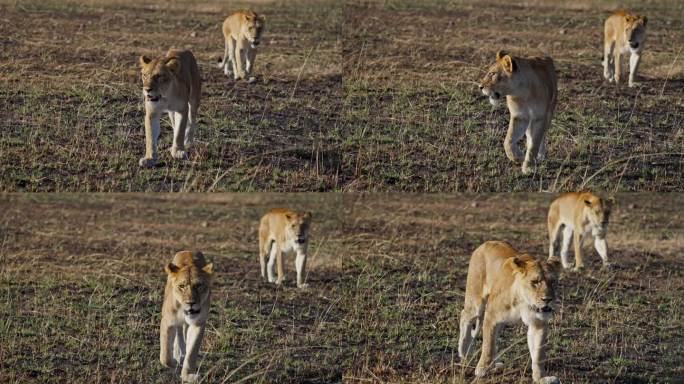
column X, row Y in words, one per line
column 170, row 84
column 242, row 34
column 282, row 230
column 529, row 85
column 579, row 214
column 504, row 286
column 623, row 32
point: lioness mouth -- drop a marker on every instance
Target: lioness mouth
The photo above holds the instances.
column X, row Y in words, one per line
column 192, row 311
column 153, row 98
column 301, row 241
column 544, row 309
column 497, row 95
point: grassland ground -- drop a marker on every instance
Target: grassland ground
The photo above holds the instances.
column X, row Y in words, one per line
column 81, row 282
column 419, row 122
column 72, row 111
column 409, row 259
column 353, row 96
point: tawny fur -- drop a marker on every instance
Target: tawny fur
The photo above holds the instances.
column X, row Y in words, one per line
column 242, row 33
column 506, row 286
column 282, row 230
column 576, row 215
column 187, row 298
column 623, row 33
column 529, row 85
column 170, row 84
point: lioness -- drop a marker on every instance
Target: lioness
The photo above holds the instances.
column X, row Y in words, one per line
column 242, row 34
column 623, row 32
column 529, row 85
column 186, row 307
column 505, row 286
column 170, row 84
column 282, row 230
column 579, row 213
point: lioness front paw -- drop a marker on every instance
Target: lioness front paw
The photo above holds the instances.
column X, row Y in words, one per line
column 169, row 363
column 526, row 169
column 549, row 380
column 303, row 285
column 251, row 80
column 239, row 75
column 633, row 84
column 578, row 268
column 147, row 162
column 189, row 377
column 178, row 154
column 480, row 371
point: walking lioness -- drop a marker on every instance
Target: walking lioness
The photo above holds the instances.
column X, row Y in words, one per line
column 170, row 84
column 186, row 307
column 282, row 230
column 578, row 214
column 623, row 32
column 529, row 85
column 505, row 286
column 242, row 34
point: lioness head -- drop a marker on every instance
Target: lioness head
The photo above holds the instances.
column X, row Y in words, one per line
column 635, row 31
column 598, row 213
column 535, row 281
column 157, row 76
column 253, row 28
column 190, row 286
column 498, row 82
column 298, row 226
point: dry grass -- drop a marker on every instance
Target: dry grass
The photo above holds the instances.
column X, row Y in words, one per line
column 372, row 95
column 81, row 285
column 419, row 123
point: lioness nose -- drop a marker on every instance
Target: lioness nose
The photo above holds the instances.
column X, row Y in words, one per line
column 147, row 89
column 481, row 86
column 547, row 300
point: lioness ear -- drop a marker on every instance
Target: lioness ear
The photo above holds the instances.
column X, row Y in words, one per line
column 644, row 19
column 261, row 18
column 518, row 265
column 144, row 60
column 171, row 268
column 307, row 215
column 500, row 55
column 173, row 64
column 288, row 216
column 508, row 64
column 209, row 268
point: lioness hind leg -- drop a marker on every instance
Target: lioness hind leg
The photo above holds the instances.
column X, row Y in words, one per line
column 634, row 60
column 272, row 262
column 554, row 238
column 181, row 122
column 565, row 247
column 608, row 69
column 535, row 136
column 192, row 124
